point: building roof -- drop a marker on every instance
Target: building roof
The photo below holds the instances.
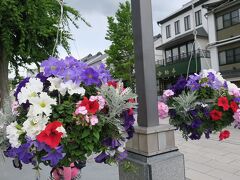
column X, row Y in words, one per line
column 90, row 56
column 98, row 59
column 219, row 5
column 184, row 9
column 201, row 32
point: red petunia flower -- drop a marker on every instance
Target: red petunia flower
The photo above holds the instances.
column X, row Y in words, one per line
column 91, row 106
column 223, row 102
column 215, row 115
column 224, row 135
column 112, row 83
column 234, row 106
column 50, row 135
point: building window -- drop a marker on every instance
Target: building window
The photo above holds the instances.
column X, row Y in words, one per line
column 237, row 54
column 175, row 54
column 168, row 31
column 183, row 51
column 235, row 17
column 169, row 56
column 219, row 23
column 198, row 18
column 229, row 56
column 190, row 48
column 187, row 22
column 177, row 27
column 222, row 58
column 228, row 19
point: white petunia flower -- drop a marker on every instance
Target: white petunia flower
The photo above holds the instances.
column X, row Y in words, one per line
column 41, row 104
column 31, row 90
column 34, row 125
column 13, row 132
column 73, row 88
column 55, row 83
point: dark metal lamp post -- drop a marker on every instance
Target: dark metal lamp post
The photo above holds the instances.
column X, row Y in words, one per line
column 152, row 150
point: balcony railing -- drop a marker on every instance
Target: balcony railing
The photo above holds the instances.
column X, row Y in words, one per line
column 183, row 57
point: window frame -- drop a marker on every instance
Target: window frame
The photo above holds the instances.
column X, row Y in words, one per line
column 177, row 27
column 231, row 22
column 234, row 56
column 187, row 23
column 168, row 31
column 198, row 17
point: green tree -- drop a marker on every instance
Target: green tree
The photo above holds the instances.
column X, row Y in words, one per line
column 28, row 31
column 121, row 52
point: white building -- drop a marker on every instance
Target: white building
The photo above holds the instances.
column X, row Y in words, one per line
column 224, row 37
column 179, row 30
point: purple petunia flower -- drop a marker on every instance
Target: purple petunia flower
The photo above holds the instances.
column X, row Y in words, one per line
column 121, row 156
column 90, row 77
column 52, row 66
column 24, row 154
column 195, row 136
column 193, row 82
column 179, row 86
column 193, row 112
column 41, row 146
column 113, row 143
column 101, row 158
column 41, row 77
column 128, row 124
column 10, row 152
column 54, row 156
column 211, row 77
column 20, row 86
column 196, row 123
column 237, row 100
column 207, row 133
column 104, row 74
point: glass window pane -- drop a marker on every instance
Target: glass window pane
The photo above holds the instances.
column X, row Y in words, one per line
column 237, row 54
column 229, row 56
column 235, row 17
column 175, row 54
column 190, row 48
column 222, row 58
column 220, row 22
column 226, row 20
column 183, row 51
column 168, row 56
column 198, row 18
column 177, row 28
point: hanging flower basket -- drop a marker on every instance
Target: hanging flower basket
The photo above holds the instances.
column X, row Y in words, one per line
column 66, row 113
column 203, row 104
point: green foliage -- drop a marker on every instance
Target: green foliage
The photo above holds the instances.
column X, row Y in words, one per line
column 121, row 51
column 28, row 30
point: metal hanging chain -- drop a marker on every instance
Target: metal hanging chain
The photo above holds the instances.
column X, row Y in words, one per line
column 59, row 28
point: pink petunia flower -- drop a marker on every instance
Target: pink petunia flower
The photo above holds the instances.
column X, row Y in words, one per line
column 236, row 116
column 168, row 93
column 162, row 110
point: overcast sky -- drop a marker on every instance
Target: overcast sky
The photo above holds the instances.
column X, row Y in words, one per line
column 92, row 39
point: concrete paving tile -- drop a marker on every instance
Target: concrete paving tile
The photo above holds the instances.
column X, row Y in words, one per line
column 223, row 175
column 222, row 166
column 203, row 168
column 195, row 175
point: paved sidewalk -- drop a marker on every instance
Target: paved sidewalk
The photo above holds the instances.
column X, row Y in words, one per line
column 212, row 159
